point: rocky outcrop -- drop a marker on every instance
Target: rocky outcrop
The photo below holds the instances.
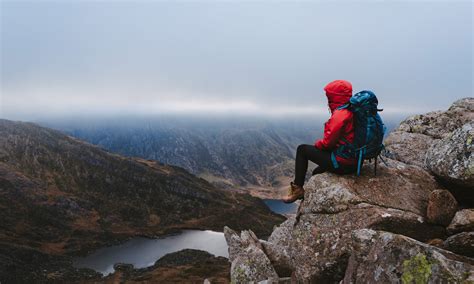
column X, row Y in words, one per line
column 316, row 244
column 451, row 158
column 409, row 142
column 441, row 142
column 441, row 207
column 409, row 189
column 388, row 228
column 249, row 262
column 438, row 124
column 382, row 257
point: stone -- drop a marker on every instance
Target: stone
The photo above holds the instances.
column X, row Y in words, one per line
column 397, row 185
column 277, row 247
column 439, row 124
column 383, row 257
column 462, row 243
column 441, row 207
column 407, row 147
column 463, row 221
column 409, row 142
column 451, row 158
column 248, row 261
column 283, row 280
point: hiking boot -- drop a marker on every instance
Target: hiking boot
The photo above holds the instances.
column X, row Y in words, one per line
column 294, row 193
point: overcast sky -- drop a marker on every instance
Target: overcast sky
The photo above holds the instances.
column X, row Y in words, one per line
column 232, row 57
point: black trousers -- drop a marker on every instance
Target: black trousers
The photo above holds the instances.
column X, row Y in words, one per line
column 305, row 153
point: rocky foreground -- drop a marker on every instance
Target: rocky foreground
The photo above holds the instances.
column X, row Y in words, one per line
column 412, row 223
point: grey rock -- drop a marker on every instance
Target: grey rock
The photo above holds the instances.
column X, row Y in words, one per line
column 408, row 190
column 463, row 221
column 438, row 124
column 462, row 243
column 248, row 261
column 319, row 244
column 409, row 142
column 441, row 207
column 382, row 257
column 407, row 147
column 451, row 158
column 317, row 247
column 283, row 280
column 277, row 247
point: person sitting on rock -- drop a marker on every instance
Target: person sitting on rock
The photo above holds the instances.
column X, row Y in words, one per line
column 338, row 130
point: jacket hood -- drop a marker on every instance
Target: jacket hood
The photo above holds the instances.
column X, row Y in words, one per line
column 338, row 93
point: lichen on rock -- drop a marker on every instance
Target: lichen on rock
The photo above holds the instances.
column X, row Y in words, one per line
column 451, row 158
column 248, row 261
column 417, row 269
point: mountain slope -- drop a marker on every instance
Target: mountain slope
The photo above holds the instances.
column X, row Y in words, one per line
column 226, row 153
column 60, row 195
column 232, row 152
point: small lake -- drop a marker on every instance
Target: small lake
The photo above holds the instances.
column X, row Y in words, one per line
column 143, row 252
column 281, row 207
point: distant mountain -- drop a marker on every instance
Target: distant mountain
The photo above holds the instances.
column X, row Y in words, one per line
column 227, row 153
column 59, row 195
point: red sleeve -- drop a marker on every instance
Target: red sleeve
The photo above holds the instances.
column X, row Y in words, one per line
column 332, row 131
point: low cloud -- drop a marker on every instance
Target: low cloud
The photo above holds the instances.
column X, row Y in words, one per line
column 231, row 58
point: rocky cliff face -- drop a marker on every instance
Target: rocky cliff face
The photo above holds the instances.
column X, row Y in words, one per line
column 403, row 225
column 60, row 196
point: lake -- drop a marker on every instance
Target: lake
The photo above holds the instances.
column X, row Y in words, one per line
column 144, row 252
column 281, row 207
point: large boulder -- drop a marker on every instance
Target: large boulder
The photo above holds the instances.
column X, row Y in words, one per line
column 396, row 185
column 409, row 142
column 382, row 257
column 407, row 147
column 441, row 207
column 463, row 221
column 462, row 243
column 451, row 158
column 248, row 261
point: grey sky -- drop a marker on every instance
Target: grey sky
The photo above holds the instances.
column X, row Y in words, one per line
column 88, row 57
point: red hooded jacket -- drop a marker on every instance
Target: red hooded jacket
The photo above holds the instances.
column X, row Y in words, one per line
column 340, row 124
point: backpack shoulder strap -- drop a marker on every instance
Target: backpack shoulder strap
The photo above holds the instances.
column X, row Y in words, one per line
column 345, row 106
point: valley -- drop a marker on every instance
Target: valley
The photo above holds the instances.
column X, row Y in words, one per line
column 62, row 197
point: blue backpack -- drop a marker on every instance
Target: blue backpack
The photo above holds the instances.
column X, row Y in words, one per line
column 369, row 130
